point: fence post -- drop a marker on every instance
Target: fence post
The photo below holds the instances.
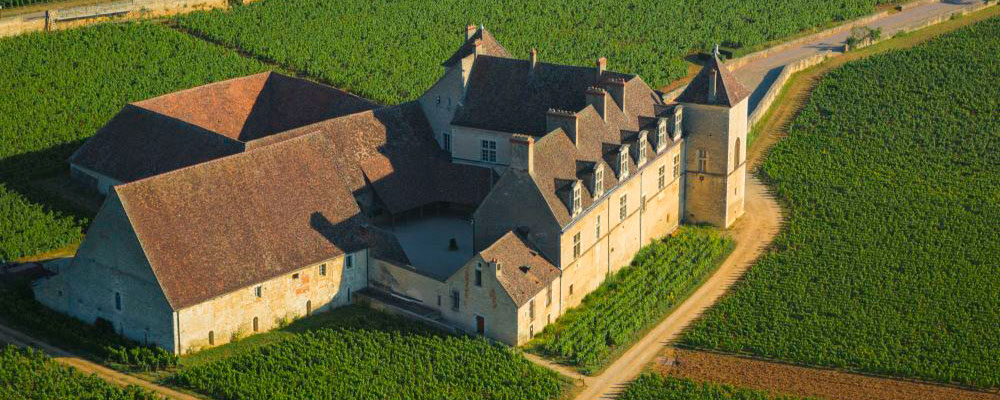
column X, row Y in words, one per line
column 48, row 20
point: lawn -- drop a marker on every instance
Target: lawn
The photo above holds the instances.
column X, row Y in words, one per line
column 61, row 88
column 627, row 304
column 357, row 353
column 391, row 51
column 650, row 386
column 888, row 264
column 31, row 375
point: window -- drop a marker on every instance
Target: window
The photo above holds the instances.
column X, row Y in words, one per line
column 479, row 274
column 622, row 208
column 598, row 227
column 439, row 300
column 642, row 149
column 348, row 295
column 677, row 165
column 548, row 296
column 531, row 331
column 256, row 325
column 598, row 181
column 623, row 164
column 118, row 301
column 642, row 203
column 576, row 245
column 571, row 290
column 736, row 154
column 322, row 269
column 531, row 310
column 295, row 276
column 702, row 160
column 661, row 133
column 349, row 261
column 454, row 300
column 309, row 307
column 489, row 151
column 258, row 291
column 211, row 338
column 446, row 141
column 662, row 182
column 577, row 202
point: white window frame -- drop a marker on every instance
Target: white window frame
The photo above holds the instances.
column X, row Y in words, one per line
column 623, row 164
column 623, row 207
column 488, row 151
column 577, row 199
column 677, row 165
column 446, row 141
column 576, row 245
column 599, row 181
column 702, row 160
column 598, row 225
column 642, row 149
column 662, row 179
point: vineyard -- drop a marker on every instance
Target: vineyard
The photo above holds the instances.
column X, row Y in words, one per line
column 67, row 85
column 30, row 375
column 889, row 262
column 651, row 386
column 370, row 355
column 391, row 51
column 614, row 316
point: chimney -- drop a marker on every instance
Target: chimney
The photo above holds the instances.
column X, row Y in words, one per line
column 602, row 64
column 562, row 119
column 533, row 58
column 470, row 31
column 522, row 153
column 616, row 88
column 598, row 98
column 478, row 45
column 713, row 85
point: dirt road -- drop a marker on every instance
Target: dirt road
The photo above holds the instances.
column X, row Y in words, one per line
column 16, row 338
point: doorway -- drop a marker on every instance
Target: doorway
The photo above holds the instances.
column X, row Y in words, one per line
column 480, row 325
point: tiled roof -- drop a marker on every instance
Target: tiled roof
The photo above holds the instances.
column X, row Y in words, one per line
column 489, row 46
column 256, row 106
column 524, row 272
column 729, row 90
column 138, row 143
column 393, row 148
column 226, row 224
column 506, row 95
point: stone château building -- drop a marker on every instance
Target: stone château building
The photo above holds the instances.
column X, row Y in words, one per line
column 494, row 203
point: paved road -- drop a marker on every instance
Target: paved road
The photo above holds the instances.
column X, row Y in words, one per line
column 8, row 335
column 758, row 75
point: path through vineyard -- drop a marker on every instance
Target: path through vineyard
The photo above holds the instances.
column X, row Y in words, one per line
column 11, row 336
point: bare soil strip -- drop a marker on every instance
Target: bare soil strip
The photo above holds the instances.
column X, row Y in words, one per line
column 802, row 381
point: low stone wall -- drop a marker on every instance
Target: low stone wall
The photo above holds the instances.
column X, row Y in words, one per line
column 786, row 72
column 71, row 17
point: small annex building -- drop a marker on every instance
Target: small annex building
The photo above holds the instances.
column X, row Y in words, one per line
column 492, row 204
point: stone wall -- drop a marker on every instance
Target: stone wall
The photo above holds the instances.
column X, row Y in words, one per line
column 72, row 17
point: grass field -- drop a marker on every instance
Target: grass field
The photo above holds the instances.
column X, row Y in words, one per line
column 63, row 87
column 617, row 314
column 391, row 51
column 650, row 386
column 30, row 375
column 357, row 353
column 889, row 262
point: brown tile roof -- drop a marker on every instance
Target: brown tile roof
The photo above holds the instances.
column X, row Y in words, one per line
column 730, row 91
column 504, row 94
column 514, row 253
column 138, row 143
column 393, row 148
column 226, row 224
column 489, row 46
column 256, row 106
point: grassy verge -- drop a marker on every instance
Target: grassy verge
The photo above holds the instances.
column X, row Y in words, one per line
column 629, row 303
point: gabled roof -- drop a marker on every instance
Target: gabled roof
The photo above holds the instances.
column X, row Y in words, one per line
column 393, row 149
column 729, row 90
column 231, row 223
column 138, row 143
column 524, row 272
column 505, row 94
column 256, row 106
column 489, row 46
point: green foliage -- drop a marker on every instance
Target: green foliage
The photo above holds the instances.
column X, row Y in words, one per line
column 21, row 311
column 30, row 375
column 655, row 387
column 660, row 277
column 370, row 355
column 390, row 51
column 889, row 262
column 67, row 85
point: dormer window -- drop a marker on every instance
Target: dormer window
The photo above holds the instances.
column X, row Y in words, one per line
column 661, row 134
column 599, row 181
column 643, row 142
column 577, row 199
column 678, row 116
column 623, row 163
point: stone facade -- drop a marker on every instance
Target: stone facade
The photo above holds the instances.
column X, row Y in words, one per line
column 715, row 162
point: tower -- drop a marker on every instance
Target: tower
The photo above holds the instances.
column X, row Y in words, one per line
column 715, row 122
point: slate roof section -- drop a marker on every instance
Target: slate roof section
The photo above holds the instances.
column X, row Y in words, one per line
column 240, row 220
column 489, row 46
column 256, row 106
column 506, row 95
column 729, row 90
column 514, row 253
column 393, row 149
column 138, row 143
